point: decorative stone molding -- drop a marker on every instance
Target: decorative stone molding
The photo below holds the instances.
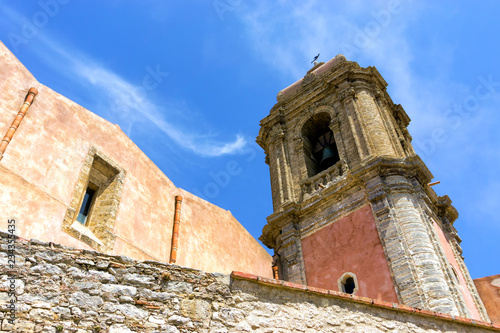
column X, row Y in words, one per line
column 347, row 93
column 310, row 77
column 323, row 179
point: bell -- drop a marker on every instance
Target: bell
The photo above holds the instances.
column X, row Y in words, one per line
column 328, row 159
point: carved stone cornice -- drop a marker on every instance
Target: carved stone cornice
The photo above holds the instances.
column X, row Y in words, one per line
column 362, row 177
column 347, row 93
column 276, row 222
column 446, row 210
column 277, row 135
column 314, row 107
column 310, row 77
column 266, row 159
column 262, row 138
column 400, row 116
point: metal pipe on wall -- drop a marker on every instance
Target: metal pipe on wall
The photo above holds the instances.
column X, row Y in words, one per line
column 28, row 100
column 175, row 234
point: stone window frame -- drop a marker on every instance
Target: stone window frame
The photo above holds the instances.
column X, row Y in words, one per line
column 98, row 229
column 341, row 281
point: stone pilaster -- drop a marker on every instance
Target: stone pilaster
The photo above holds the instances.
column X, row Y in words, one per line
column 388, row 123
column 290, row 252
column 335, row 127
column 416, row 267
column 280, row 169
column 360, row 151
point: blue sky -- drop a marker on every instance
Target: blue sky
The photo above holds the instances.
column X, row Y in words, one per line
column 189, row 84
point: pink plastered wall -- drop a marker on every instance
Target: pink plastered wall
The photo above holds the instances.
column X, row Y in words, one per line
column 350, row 244
column 469, row 302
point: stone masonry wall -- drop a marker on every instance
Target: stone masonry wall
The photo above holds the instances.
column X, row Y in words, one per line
column 62, row 289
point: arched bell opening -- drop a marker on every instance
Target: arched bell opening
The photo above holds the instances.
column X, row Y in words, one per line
column 320, row 149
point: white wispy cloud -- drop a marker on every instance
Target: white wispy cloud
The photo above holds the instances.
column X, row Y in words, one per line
column 131, row 102
column 287, row 35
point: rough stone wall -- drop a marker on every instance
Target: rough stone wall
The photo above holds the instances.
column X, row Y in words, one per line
column 45, row 170
column 62, row 289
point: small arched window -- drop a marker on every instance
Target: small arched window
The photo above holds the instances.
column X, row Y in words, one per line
column 348, row 283
column 320, row 149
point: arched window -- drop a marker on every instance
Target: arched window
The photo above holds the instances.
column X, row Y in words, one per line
column 348, row 283
column 320, row 149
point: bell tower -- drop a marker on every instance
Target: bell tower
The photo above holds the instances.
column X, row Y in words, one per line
column 353, row 210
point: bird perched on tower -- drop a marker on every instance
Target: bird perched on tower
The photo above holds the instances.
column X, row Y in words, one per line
column 315, row 58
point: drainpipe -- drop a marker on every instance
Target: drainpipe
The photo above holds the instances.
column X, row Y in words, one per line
column 15, row 124
column 175, row 234
column 276, row 275
column 274, row 265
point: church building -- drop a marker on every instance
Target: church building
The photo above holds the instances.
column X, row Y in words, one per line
column 353, row 206
column 354, row 209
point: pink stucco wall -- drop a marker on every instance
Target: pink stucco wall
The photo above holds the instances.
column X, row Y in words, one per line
column 350, row 244
column 42, row 164
column 469, row 302
column 489, row 291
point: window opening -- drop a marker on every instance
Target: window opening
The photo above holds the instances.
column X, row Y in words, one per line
column 92, row 212
column 88, row 199
column 349, row 285
column 320, row 149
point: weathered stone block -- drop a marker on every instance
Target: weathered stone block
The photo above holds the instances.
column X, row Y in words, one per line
column 119, row 289
column 85, row 301
column 195, row 309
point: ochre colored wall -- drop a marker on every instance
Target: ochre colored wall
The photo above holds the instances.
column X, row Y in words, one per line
column 42, row 165
column 489, row 291
column 463, row 285
column 350, row 244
